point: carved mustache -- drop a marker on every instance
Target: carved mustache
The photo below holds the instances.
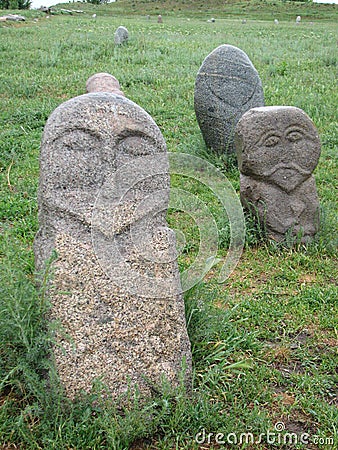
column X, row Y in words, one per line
column 289, row 166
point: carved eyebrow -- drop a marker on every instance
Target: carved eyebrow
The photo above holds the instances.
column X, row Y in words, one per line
column 300, row 129
column 65, row 132
column 267, row 135
column 131, row 133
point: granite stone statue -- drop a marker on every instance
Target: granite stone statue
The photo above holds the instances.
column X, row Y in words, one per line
column 227, row 85
column 126, row 336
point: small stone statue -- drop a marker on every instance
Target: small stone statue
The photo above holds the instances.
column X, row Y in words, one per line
column 278, row 148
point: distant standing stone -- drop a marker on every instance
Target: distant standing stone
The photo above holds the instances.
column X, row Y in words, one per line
column 103, row 82
column 298, row 20
column 121, row 36
column 227, row 85
column 115, row 288
column 278, row 148
column 13, row 18
column 159, row 19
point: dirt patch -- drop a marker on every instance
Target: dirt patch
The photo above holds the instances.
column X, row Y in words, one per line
column 146, row 445
column 296, row 422
column 140, row 444
column 328, row 342
column 307, row 278
column 285, row 398
column 294, row 367
column 299, row 423
column 302, row 337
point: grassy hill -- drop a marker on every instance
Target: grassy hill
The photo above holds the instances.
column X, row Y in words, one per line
column 253, row 9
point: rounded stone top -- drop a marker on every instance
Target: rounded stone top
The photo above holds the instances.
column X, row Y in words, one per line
column 231, row 77
column 229, row 55
column 103, row 82
column 103, row 115
column 274, row 139
column 227, row 85
column 121, row 35
column 259, row 119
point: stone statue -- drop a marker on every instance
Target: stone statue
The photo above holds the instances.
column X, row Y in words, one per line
column 278, row 148
column 227, row 85
column 118, row 323
column 121, row 36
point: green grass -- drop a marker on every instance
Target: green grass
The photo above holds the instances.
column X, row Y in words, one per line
column 265, row 342
column 253, row 9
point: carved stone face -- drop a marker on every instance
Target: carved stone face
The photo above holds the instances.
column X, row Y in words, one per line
column 279, row 145
column 84, row 141
column 90, row 202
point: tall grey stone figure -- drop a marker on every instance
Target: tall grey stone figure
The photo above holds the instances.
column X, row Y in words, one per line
column 278, row 148
column 227, row 85
column 121, row 36
column 103, row 196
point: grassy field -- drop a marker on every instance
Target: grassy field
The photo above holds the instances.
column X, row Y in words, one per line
column 264, row 342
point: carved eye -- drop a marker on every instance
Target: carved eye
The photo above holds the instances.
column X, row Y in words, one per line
column 294, row 136
column 271, row 140
column 78, row 141
column 77, row 161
